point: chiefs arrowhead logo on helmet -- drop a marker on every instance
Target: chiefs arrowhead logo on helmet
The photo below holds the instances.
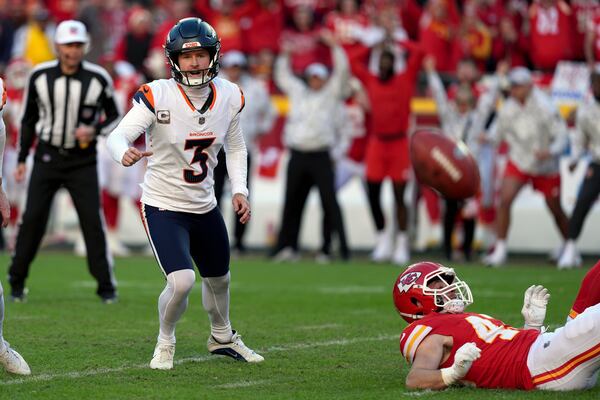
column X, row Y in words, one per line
column 407, row 281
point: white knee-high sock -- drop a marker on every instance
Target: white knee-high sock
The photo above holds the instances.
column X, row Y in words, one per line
column 215, row 299
column 173, row 301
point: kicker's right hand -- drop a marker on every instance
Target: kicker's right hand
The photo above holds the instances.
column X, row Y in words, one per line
column 133, row 155
column 463, row 359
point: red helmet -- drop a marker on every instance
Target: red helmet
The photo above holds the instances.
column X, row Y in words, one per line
column 415, row 296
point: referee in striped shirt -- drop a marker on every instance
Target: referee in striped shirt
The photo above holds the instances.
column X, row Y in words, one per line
column 68, row 103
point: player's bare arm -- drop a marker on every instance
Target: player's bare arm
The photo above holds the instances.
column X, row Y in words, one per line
column 133, row 155
column 425, row 371
column 241, row 206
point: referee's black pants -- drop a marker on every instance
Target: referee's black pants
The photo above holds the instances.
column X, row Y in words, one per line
column 305, row 170
column 82, row 183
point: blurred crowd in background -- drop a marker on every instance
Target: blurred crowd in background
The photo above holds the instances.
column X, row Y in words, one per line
column 536, row 34
column 461, row 40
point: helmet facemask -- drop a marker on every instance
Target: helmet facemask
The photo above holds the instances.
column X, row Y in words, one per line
column 452, row 295
column 205, row 75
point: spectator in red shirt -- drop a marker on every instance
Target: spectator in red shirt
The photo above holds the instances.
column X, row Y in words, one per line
column 177, row 9
column 584, row 12
column 552, row 33
column 437, row 34
column 592, row 40
column 319, row 7
column 347, row 23
column 135, row 45
column 410, row 14
column 225, row 19
column 262, row 27
column 303, row 38
column 474, row 38
column 387, row 149
column 512, row 44
column 62, row 10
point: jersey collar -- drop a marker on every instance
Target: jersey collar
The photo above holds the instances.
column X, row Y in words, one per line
column 208, row 104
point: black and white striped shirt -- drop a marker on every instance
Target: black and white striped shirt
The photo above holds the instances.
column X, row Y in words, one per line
column 56, row 104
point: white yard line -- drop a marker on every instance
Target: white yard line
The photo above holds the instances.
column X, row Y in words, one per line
column 242, row 384
column 352, row 290
column 120, row 284
column 317, row 327
column 28, row 317
column 102, row 371
column 93, row 372
column 419, row 393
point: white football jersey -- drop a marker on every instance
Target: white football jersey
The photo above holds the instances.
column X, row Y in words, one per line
column 185, row 143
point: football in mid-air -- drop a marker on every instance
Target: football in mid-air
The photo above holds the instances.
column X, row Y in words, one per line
column 444, row 164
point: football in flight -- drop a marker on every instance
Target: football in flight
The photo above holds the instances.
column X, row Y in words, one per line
column 444, row 164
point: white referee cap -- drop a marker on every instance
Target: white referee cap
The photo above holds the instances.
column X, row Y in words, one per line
column 233, row 58
column 71, row 31
column 520, row 76
column 317, row 69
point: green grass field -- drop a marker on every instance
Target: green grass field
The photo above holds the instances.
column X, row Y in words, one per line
column 327, row 332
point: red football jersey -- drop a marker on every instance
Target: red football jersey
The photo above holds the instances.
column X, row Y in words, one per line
column 504, row 349
column 584, row 12
column 552, row 34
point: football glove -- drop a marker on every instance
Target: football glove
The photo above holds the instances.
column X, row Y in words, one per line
column 534, row 306
column 463, row 359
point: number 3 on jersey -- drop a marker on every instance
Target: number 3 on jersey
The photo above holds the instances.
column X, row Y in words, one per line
column 200, row 156
column 488, row 331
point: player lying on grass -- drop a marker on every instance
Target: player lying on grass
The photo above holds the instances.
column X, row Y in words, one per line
column 446, row 345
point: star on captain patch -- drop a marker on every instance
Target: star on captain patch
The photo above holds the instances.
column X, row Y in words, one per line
column 163, row 116
column 201, row 120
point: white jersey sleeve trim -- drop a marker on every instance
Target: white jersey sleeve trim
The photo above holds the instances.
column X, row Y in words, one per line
column 413, row 341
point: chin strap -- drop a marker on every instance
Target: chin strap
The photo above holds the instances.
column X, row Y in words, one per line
column 454, row 307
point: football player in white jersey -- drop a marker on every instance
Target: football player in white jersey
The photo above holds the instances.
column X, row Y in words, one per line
column 9, row 358
column 187, row 119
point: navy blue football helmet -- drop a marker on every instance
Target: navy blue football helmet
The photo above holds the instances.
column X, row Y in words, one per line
column 193, row 34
